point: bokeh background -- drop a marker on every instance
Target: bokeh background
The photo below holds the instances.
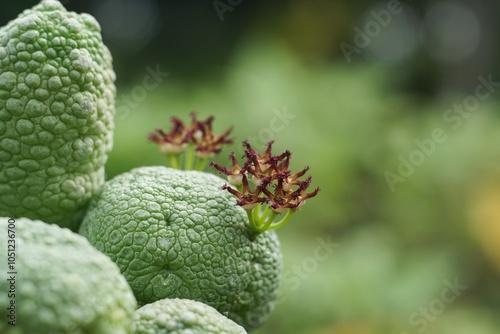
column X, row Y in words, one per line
column 410, row 248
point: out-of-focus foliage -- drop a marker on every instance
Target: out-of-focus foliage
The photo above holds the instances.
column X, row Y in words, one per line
column 395, row 248
column 390, row 256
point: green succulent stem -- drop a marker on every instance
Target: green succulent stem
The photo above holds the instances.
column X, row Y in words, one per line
column 188, row 163
column 267, row 221
column 201, row 164
column 175, row 161
column 255, row 216
column 283, row 221
column 261, row 220
column 266, row 213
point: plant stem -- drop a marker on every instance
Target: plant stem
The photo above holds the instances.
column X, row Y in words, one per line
column 251, row 221
column 265, row 214
column 283, row 221
column 188, row 164
column 267, row 223
column 201, row 164
column 256, row 215
column 175, row 161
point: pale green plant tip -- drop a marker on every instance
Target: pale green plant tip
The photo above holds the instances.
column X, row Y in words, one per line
column 57, row 102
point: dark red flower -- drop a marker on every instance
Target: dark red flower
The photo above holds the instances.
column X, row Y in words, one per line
column 272, row 183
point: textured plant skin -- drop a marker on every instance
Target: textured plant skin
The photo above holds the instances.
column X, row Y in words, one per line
column 62, row 284
column 182, row 316
column 56, row 114
column 178, row 234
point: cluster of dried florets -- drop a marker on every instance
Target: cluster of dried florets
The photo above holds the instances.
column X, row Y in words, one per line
column 196, row 140
column 265, row 187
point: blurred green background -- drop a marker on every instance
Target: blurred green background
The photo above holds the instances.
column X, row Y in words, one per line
column 412, row 219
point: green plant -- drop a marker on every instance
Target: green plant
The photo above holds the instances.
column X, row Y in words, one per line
column 173, row 232
column 177, row 234
column 61, row 284
column 272, row 189
column 265, row 186
column 56, row 114
column 196, row 143
column 182, row 316
column 180, row 234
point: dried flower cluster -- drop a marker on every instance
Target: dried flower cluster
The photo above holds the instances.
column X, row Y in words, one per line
column 264, row 185
column 266, row 180
column 197, row 140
